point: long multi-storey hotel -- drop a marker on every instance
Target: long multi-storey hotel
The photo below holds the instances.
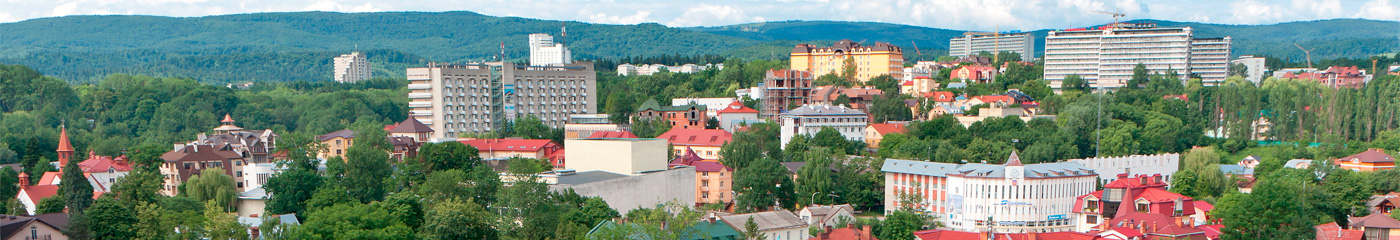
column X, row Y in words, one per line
column 1010, row 198
column 870, row 61
column 480, row 97
column 351, row 68
column 1105, row 57
column 972, row 43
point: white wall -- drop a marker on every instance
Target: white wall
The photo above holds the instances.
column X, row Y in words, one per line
column 622, row 156
column 648, row 190
column 1109, row 167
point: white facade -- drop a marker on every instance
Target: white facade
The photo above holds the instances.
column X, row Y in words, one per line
column 1254, row 68
column 351, row 68
column 810, row 119
column 545, row 52
column 1106, row 58
column 1109, row 167
column 470, row 98
column 972, row 43
column 1017, row 198
column 616, row 155
column 255, row 175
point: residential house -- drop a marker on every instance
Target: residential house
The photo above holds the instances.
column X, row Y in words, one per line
column 31, row 195
column 505, row 148
column 979, row 74
column 1331, row 231
column 1298, row 164
column 810, row 119
column 1376, row 226
column 827, row 216
column 940, row 96
column 943, row 109
column 793, row 168
column 736, row 115
column 1383, row 203
column 412, row 128
column 103, row 171
column 339, row 141
column 1250, row 161
column 1335, row 77
column 230, row 148
column 1137, row 199
column 850, row 232
column 705, row 142
column 1371, row 160
column 252, row 202
column 777, row 224
column 918, row 85
column 45, row 227
column 876, row 132
column 689, row 116
column 857, row 98
column 1244, row 177
column 714, row 182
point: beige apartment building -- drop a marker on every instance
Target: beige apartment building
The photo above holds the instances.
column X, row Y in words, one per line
column 870, row 61
column 351, row 68
column 479, row 97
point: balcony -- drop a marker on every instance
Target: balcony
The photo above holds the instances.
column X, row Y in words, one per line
column 420, row 95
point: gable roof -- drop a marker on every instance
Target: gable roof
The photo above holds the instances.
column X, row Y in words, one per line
column 508, row 144
column 200, row 152
column 96, row 163
column 766, row 220
column 611, row 134
column 793, row 167
column 887, row 128
column 940, row 96
column 1373, row 155
column 697, row 137
column 411, row 125
column 1331, row 231
column 346, row 134
column 1375, row 220
column 826, row 212
column 736, row 107
column 37, row 193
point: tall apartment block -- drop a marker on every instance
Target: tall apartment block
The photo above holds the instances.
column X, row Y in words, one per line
column 972, row 43
column 783, row 88
column 545, row 52
column 870, row 61
column 481, row 97
column 1106, row 57
column 351, row 68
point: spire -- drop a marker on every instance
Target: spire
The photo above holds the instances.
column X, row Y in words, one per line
column 1013, row 160
column 227, row 119
column 65, row 148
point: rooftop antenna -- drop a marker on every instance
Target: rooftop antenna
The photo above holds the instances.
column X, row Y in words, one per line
column 502, row 57
column 1307, row 52
column 563, row 33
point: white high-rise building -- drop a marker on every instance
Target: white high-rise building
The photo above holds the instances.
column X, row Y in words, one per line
column 478, row 97
column 972, row 43
column 1105, row 57
column 351, row 68
column 810, row 119
column 1255, row 71
column 545, row 52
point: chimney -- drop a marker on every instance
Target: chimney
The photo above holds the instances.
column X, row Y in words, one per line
column 982, row 235
column 865, row 233
column 1157, row 178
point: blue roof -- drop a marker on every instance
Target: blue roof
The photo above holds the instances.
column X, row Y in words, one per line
column 956, row 85
column 936, row 169
column 1038, row 170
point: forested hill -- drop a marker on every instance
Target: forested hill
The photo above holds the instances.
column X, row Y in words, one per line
column 299, row 45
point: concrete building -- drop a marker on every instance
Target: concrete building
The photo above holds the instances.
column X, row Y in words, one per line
column 617, row 155
column 584, row 125
column 1110, row 167
column 545, row 52
column 972, row 43
column 870, row 61
column 480, row 97
column 1106, row 57
column 783, row 88
column 649, row 69
column 352, row 68
column 1017, row 197
column 1255, row 71
column 231, row 149
column 626, row 192
column 810, row 119
column 705, row 142
column 714, row 181
column 736, row 115
column 775, row 225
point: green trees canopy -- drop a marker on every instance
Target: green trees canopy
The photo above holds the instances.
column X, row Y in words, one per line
column 212, row 185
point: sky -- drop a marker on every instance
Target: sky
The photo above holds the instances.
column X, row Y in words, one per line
column 951, row 14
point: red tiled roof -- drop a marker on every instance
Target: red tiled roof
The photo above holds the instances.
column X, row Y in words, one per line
column 736, row 107
column 1158, row 195
column 1212, row 231
column 1127, row 231
column 845, row 234
column 1065, row 236
column 1203, row 206
column 37, row 193
column 939, row 234
column 96, row 163
column 710, row 166
column 612, row 134
column 508, row 145
column 996, row 98
column 1330, row 231
column 697, row 137
column 411, row 125
column 940, row 96
column 1079, row 201
column 1370, row 156
column 49, row 178
column 1176, row 231
column 907, row 83
column 887, row 128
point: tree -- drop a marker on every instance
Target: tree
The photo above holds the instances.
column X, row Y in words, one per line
column 672, row 220
column 447, row 184
column 355, row 221
column 51, row 204
column 456, row 219
column 289, row 190
column 116, row 219
column 593, row 211
column 848, row 70
column 1202, row 162
column 139, row 186
column 890, row 107
column 9, row 181
column 1274, row 210
column 404, row 206
column 149, row 224
column 815, row 177
column 751, row 231
column 1074, row 82
column 901, row 223
column 529, row 214
column 37, row 171
column 77, row 195
column 1140, row 76
column 650, row 127
column 365, row 173
column 530, row 127
column 212, row 185
column 758, row 188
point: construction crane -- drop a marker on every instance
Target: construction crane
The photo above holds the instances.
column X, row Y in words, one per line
column 1115, row 14
column 1306, row 52
column 916, row 49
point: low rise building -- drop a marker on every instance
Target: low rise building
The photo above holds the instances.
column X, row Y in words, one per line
column 810, row 119
column 689, row 116
column 1141, row 198
column 1371, row 160
column 1109, row 168
column 876, row 132
column 979, row 74
column 505, row 148
column 705, row 142
column 736, row 115
column 617, row 155
column 712, row 105
column 1016, row 197
column 230, row 148
column 777, row 224
column 827, row 216
column 714, row 182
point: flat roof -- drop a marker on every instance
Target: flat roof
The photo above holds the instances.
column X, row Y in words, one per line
column 588, row 177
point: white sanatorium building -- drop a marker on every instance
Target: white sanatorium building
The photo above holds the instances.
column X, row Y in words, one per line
column 1106, row 58
column 351, row 68
column 478, row 97
column 972, row 43
column 810, row 119
column 1109, row 167
column 545, row 52
column 1014, row 197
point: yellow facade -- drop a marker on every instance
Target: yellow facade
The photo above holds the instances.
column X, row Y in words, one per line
column 870, row 61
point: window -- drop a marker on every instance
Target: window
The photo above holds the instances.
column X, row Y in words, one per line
column 238, row 174
column 1091, row 220
column 240, row 184
column 1142, row 207
column 705, row 195
column 1091, row 204
column 705, row 184
column 707, row 174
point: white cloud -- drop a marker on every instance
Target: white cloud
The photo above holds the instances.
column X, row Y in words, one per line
column 1379, row 9
column 1254, row 12
column 711, row 15
column 65, row 9
column 635, row 18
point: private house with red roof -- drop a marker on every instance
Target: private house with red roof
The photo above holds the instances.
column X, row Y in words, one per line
column 876, row 132
column 1140, row 203
column 705, row 142
column 940, row 234
column 103, row 171
column 1334, row 77
column 850, row 232
column 736, row 115
column 1331, row 231
column 1371, row 160
column 713, row 180
column 980, row 74
column 941, row 96
column 505, row 148
column 411, row 128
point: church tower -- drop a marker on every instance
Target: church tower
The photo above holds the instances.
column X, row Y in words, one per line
column 65, row 149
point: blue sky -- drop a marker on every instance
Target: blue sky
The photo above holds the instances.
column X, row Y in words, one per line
column 952, row 14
